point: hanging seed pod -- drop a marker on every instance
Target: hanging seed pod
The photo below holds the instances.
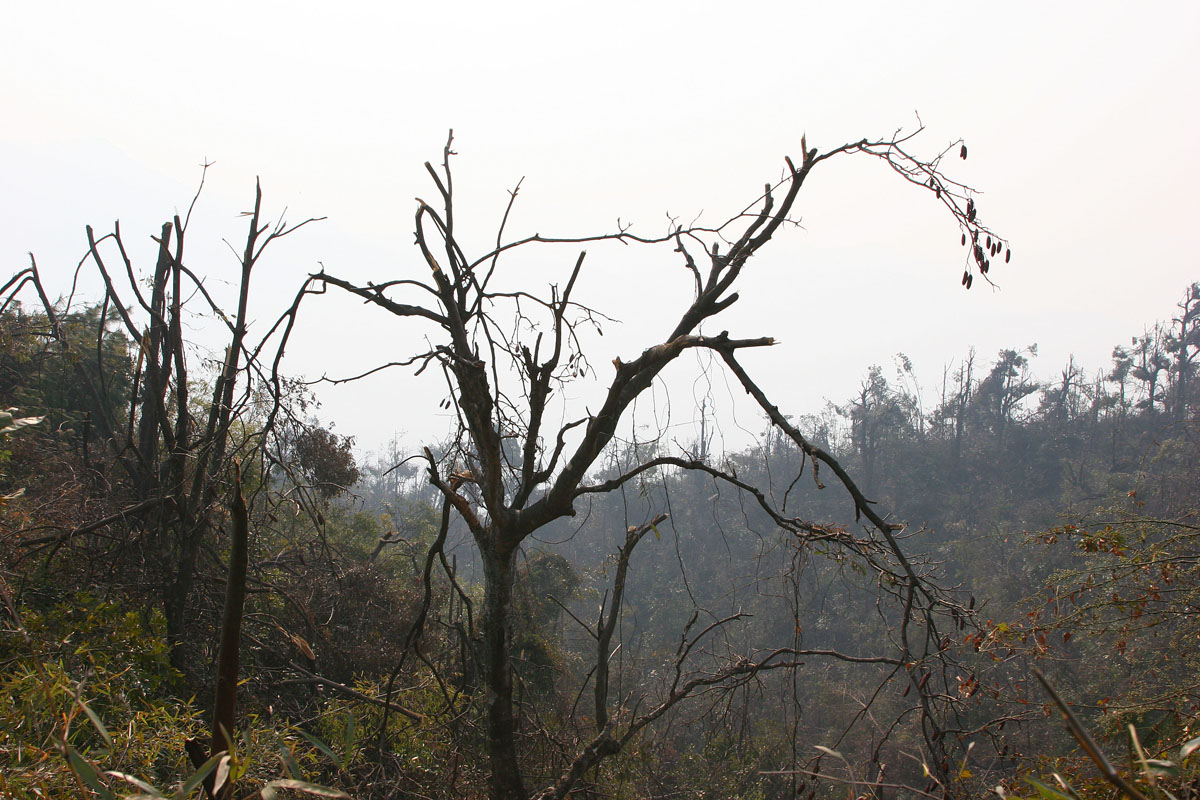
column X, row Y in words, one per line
column 962, row 152
column 970, row 280
column 985, row 266
column 966, row 275
column 938, row 192
column 1007, row 255
column 964, row 240
column 989, row 244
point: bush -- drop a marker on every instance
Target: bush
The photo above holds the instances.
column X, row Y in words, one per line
column 88, row 655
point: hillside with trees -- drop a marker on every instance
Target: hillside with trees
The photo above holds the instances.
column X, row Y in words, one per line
column 208, row 591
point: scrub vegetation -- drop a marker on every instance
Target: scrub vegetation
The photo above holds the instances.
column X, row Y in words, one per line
column 208, row 591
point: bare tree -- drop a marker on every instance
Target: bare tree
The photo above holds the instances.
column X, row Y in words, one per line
column 509, row 473
column 178, row 463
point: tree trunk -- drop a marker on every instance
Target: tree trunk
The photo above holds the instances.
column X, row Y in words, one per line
column 179, row 558
column 499, row 566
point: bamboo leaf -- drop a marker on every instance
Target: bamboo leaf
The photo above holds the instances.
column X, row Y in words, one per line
column 829, row 751
column 222, row 774
column 268, row 792
column 1188, row 748
column 199, row 775
column 320, row 745
column 96, row 723
column 1160, row 768
column 87, row 773
column 1048, row 792
column 148, row 790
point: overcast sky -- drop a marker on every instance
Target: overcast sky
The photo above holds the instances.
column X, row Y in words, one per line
column 1080, row 118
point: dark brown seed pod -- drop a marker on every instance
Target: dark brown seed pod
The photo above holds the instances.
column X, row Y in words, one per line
column 962, row 152
column 1007, row 255
column 966, row 275
column 989, row 243
column 938, row 192
column 970, row 280
column 985, row 266
column 964, row 240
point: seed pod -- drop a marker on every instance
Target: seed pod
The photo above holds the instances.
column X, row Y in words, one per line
column 962, row 153
column 985, row 266
column 965, row 276
column 970, row 280
column 938, row 192
column 964, row 240
column 1007, row 255
column 989, row 243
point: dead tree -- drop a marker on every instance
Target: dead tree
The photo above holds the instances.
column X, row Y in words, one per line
column 510, row 473
column 178, row 463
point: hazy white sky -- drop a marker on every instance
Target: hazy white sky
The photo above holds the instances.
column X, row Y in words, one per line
column 1080, row 119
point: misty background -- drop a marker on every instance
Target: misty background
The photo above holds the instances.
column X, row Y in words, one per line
column 1076, row 119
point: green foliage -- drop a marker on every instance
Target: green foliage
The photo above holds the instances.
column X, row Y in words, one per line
column 1173, row 775
column 78, row 386
column 326, row 460
column 88, row 656
column 90, row 703
column 86, row 660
